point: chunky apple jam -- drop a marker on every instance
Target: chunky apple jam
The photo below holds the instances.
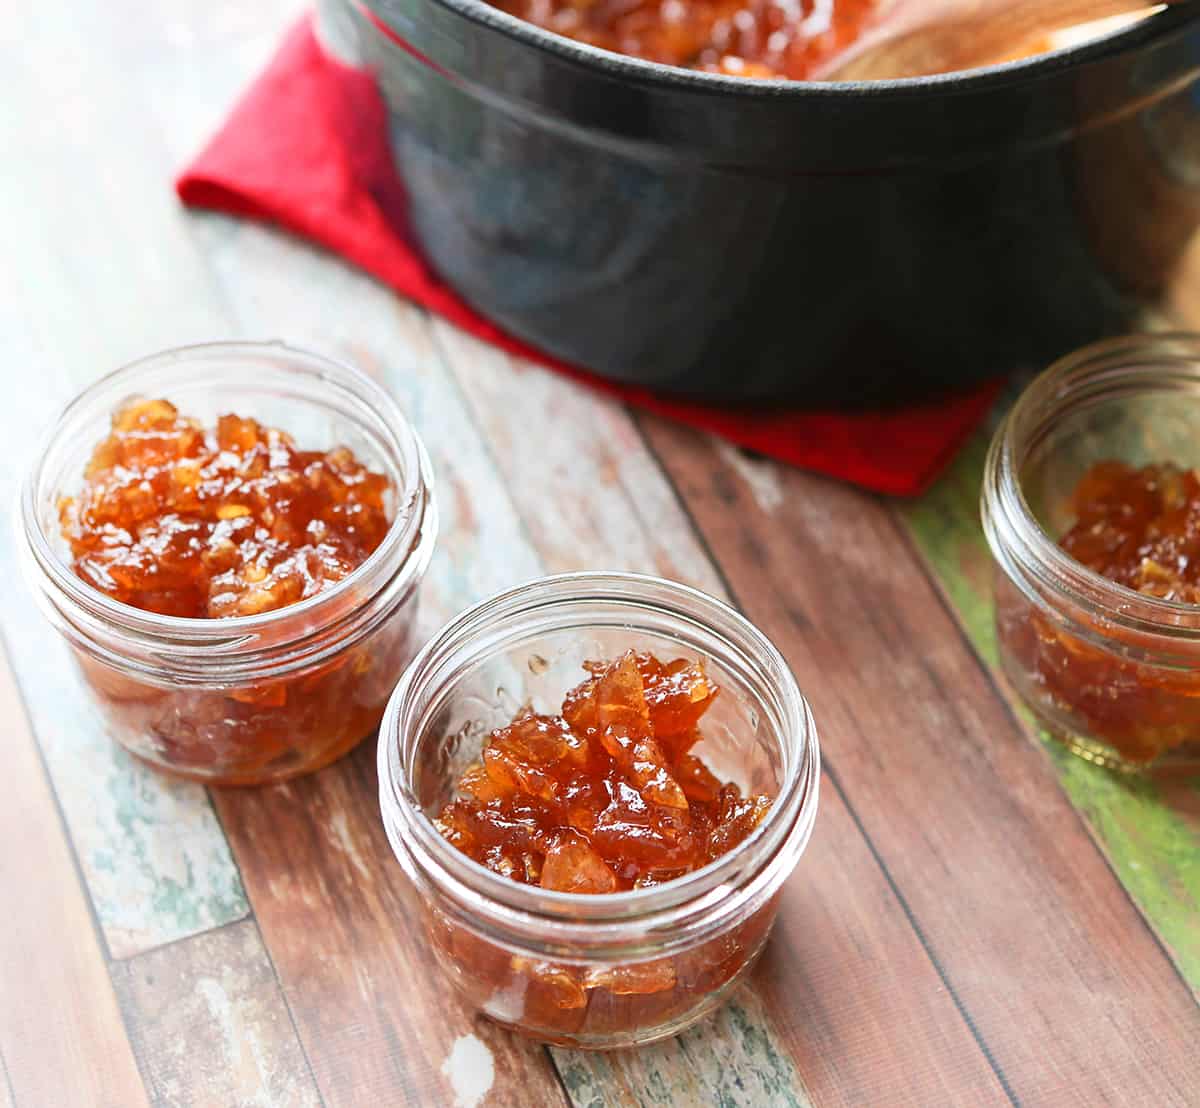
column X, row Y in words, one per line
column 604, row 797
column 1138, row 527
column 232, row 520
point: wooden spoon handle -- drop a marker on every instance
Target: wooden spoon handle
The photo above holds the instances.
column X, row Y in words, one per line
column 911, row 38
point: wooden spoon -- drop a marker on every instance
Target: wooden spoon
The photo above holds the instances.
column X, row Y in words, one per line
column 911, row 38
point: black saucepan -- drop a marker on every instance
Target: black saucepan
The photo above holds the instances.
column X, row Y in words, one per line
column 764, row 242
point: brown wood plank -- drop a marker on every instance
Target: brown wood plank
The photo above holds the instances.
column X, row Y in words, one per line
column 210, row 1026
column 635, row 523
column 379, row 1024
column 1040, row 947
column 325, row 887
column 844, row 969
column 62, row 1041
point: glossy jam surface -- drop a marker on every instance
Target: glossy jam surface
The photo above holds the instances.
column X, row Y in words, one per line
column 606, row 796
column 1139, row 527
column 230, row 520
column 741, row 38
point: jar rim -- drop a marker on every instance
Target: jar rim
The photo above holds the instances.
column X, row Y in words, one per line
column 408, row 535
column 783, row 832
column 1128, row 365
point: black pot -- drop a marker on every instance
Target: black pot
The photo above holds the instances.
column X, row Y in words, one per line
column 754, row 242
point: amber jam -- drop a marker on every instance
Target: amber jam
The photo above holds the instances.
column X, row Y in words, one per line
column 232, row 520
column 219, row 522
column 1091, row 509
column 1138, row 527
column 235, row 570
column 606, row 796
column 740, row 38
column 598, row 862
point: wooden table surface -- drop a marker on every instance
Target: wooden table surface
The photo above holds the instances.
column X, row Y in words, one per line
column 980, row 918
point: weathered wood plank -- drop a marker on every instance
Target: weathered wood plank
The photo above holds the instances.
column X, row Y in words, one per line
column 320, row 874
column 209, row 1024
column 596, row 498
column 587, row 489
column 745, row 1070
column 1149, row 831
column 341, row 941
column 1036, row 940
column 377, row 1025
column 96, row 271
column 61, row 1037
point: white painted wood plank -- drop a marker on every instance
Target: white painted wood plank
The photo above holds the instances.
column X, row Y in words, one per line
column 210, row 1025
column 96, row 268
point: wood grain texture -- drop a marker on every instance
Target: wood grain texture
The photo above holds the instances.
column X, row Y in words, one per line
column 62, row 1041
column 483, row 545
column 327, row 892
column 728, row 1060
column 1149, row 830
column 377, row 1026
column 587, row 490
column 210, row 1026
column 1037, row 942
column 597, row 499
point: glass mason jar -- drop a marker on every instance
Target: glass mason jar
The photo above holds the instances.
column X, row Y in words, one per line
column 611, row 970
column 1113, row 673
column 253, row 698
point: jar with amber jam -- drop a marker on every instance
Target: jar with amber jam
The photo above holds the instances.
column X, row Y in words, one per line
column 1091, row 507
column 256, row 669
column 596, row 955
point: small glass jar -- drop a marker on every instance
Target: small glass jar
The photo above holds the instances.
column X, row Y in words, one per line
column 256, row 698
column 1112, row 673
column 620, row 969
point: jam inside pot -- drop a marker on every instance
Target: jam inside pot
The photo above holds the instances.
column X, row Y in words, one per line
column 605, row 797
column 740, row 38
column 1138, row 526
column 233, row 520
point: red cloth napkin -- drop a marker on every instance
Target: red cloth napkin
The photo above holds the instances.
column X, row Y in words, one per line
column 306, row 147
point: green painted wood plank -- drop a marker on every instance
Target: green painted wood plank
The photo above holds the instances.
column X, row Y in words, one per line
column 1150, row 831
column 727, row 1061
